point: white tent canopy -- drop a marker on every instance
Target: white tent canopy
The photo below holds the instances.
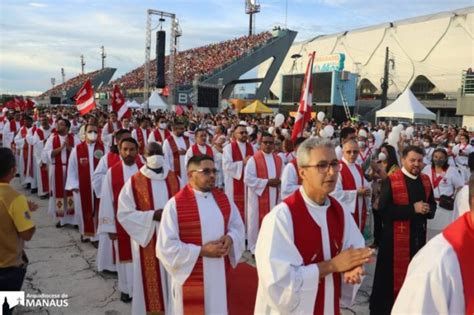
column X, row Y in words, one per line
column 133, row 104
column 406, row 106
column 156, row 102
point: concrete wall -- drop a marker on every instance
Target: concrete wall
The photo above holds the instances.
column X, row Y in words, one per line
column 468, row 121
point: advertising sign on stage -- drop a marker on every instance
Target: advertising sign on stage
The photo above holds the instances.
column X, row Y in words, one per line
column 328, row 63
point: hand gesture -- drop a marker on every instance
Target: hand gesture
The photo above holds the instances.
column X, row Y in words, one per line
column 227, row 243
column 182, row 151
column 354, row 276
column 421, row 207
column 32, row 206
column 157, row 215
column 350, row 258
column 213, row 249
column 246, row 159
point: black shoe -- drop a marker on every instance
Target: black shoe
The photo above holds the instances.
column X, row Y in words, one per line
column 84, row 240
column 34, row 190
column 125, row 298
column 17, row 175
column 28, row 186
column 95, row 244
column 44, row 197
column 76, row 227
column 58, row 225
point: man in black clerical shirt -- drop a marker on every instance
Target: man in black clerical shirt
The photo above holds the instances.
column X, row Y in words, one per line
column 406, row 202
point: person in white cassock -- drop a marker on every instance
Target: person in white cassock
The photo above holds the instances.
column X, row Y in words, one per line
column 290, row 180
column 309, row 252
column 57, row 151
column 234, row 158
column 110, row 128
column 461, row 152
column 199, row 228
column 140, row 208
column 23, row 142
column 10, row 129
column 114, row 180
column 262, row 181
column 161, row 132
column 200, row 147
column 461, row 203
column 82, row 162
column 446, row 181
column 40, row 137
column 440, row 279
column 106, row 259
column 142, row 133
column 175, row 148
column 347, row 133
column 352, row 189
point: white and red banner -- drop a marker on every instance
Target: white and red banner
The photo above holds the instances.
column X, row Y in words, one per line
column 118, row 104
column 304, row 109
column 85, row 98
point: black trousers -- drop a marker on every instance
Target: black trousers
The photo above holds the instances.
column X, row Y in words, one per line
column 11, row 278
column 377, row 226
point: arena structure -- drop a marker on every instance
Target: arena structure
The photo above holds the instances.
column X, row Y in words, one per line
column 64, row 93
column 430, row 55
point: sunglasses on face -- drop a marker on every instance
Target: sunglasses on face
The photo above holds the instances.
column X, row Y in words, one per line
column 206, row 171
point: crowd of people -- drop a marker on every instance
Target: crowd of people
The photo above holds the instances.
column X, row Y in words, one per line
column 199, row 61
column 76, row 81
column 182, row 198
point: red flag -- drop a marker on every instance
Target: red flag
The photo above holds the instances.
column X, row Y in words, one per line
column 29, row 104
column 19, row 104
column 85, row 98
column 179, row 110
column 118, row 104
column 304, row 109
column 10, row 104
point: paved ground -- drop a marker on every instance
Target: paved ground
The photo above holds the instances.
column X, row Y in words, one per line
column 60, row 263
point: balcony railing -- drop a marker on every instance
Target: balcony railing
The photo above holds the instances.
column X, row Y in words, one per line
column 467, row 83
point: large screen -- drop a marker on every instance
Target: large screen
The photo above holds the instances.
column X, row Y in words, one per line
column 322, row 84
column 208, row 97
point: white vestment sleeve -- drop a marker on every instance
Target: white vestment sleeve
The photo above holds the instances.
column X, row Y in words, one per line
column 72, row 180
column 106, row 207
column 168, row 153
column 347, row 198
column 231, row 168
column 48, row 149
column 289, row 181
column 99, row 175
column 236, row 230
column 19, row 141
column 106, row 136
column 138, row 224
column 177, row 257
column 189, row 154
column 257, row 185
column 284, row 282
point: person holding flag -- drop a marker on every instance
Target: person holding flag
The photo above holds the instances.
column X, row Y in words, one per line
column 304, row 109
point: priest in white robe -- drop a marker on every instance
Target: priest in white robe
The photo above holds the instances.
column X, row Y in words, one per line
column 290, row 180
column 194, row 254
column 23, row 142
column 440, row 279
column 114, row 180
column 10, row 129
column 234, row 158
column 352, row 189
column 82, row 162
column 200, row 147
column 308, row 245
column 109, row 129
column 56, row 154
column 140, row 208
column 175, row 148
column 262, row 181
column 40, row 137
column 161, row 132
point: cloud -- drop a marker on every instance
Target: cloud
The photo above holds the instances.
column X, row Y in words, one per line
column 37, row 5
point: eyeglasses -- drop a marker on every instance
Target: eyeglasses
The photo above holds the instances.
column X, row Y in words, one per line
column 352, row 152
column 323, row 167
column 268, row 142
column 206, row 171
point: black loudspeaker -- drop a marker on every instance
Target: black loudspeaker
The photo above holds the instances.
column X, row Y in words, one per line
column 160, row 59
column 55, row 100
column 208, row 97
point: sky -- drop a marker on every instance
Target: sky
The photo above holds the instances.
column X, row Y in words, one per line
column 39, row 37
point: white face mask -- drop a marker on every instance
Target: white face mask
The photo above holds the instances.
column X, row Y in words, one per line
column 382, row 156
column 361, row 144
column 92, row 136
column 155, row 161
column 162, row 125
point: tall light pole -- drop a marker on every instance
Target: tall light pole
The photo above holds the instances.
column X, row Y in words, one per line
column 251, row 7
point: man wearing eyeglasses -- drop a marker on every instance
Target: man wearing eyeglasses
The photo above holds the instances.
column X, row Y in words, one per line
column 83, row 160
column 175, row 148
column 308, row 244
column 352, row 189
column 235, row 156
column 262, row 181
column 200, row 226
column 140, row 207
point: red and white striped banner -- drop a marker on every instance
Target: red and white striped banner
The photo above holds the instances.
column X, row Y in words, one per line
column 85, row 98
column 118, row 104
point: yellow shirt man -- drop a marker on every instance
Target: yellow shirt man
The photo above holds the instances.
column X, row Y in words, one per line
column 15, row 217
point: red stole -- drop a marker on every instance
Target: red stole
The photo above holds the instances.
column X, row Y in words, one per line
column 189, row 224
column 110, row 126
column 112, row 159
column 89, row 202
column 348, row 183
column 176, row 155
column 460, row 234
column 27, row 151
column 436, row 179
column 295, row 165
column 150, row 266
column 308, row 240
column 239, row 192
column 123, row 239
column 401, row 229
column 262, row 172
column 141, row 140
column 197, row 152
column 13, row 127
column 59, row 180
column 158, row 137
column 44, row 167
